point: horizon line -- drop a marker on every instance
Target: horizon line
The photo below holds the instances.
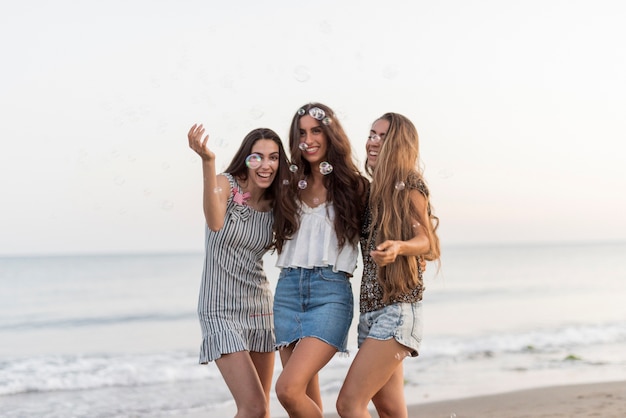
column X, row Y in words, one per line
column 139, row 253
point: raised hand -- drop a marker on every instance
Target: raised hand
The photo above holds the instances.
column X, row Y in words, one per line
column 200, row 144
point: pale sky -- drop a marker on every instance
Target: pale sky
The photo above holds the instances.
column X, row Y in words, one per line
column 520, row 106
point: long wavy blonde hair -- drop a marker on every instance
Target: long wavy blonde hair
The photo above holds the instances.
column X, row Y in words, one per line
column 393, row 211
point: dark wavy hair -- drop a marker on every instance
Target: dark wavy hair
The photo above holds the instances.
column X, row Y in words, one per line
column 346, row 186
column 284, row 208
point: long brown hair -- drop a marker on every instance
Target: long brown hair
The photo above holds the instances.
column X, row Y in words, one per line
column 345, row 185
column 393, row 211
column 285, row 221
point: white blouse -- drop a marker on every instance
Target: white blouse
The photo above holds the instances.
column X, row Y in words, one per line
column 315, row 243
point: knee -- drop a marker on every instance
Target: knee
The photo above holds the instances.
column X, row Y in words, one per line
column 286, row 393
column 389, row 409
column 256, row 410
column 346, row 407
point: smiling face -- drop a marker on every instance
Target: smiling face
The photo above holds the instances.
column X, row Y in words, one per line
column 375, row 141
column 264, row 174
column 312, row 134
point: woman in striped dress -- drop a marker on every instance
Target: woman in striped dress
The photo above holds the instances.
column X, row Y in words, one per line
column 235, row 302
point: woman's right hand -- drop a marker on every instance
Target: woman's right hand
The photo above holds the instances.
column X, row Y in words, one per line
column 200, row 144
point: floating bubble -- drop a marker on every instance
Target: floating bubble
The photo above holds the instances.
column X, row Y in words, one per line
column 256, row 113
column 302, row 184
column 341, row 114
column 167, row 205
column 374, row 138
column 400, row 185
column 445, row 174
column 316, row 201
column 220, row 142
column 402, row 355
column 217, row 190
column 326, row 168
column 303, row 146
column 227, row 82
column 325, row 27
column 453, row 415
column 327, row 121
column 293, row 168
column 317, row 113
column 390, row 72
column 253, row 161
column 285, row 182
column 301, row 111
column 301, row 74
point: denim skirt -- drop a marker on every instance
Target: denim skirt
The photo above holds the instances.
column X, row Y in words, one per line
column 315, row 303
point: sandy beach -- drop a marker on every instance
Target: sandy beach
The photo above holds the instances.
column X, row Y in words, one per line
column 600, row 400
column 605, row 400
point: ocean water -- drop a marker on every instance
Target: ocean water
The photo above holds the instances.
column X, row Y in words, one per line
column 117, row 336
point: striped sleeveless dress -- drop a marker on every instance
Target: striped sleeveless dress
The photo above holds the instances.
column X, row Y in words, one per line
column 235, row 302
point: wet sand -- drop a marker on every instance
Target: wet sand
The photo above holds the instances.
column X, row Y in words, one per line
column 602, row 400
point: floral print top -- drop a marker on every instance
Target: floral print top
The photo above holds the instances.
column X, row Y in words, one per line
column 371, row 297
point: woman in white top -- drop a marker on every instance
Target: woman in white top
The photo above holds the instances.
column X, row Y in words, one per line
column 313, row 302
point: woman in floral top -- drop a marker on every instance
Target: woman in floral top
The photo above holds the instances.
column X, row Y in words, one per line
column 398, row 234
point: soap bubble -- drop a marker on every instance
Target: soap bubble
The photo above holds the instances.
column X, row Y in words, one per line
column 256, row 113
column 303, row 146
column 317, row 113
column 285, row 182
column 167, row 205
column 326, row 168
column 302, row 184
column 253, row 161
column 374, row 138
column 402, row 355
column 390, row 72
column 327, row 121
column 400, row 185
column 301, row 111
column 217, row 190
column 301, row 73
column 293, row 168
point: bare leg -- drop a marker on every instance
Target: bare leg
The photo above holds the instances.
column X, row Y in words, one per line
column 313, row 388
column 389, row 401
column 240, row 375
column 300, row 369
column 264, row 365
column 376, row 365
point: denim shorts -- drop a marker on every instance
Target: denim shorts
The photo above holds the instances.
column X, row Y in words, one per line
column 402, row 321
column 313, row 302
